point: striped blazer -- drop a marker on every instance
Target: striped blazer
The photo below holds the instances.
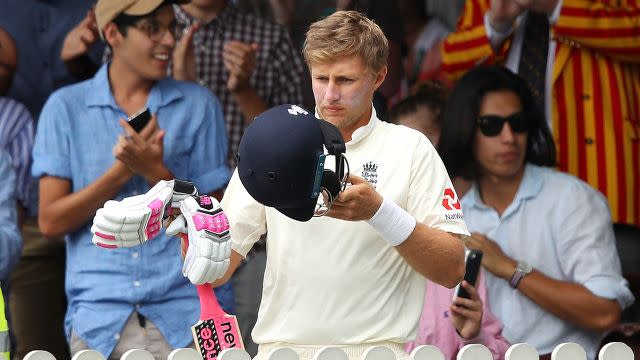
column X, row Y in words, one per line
column 595, row 91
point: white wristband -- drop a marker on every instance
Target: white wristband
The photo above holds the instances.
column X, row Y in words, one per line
column 392, row 222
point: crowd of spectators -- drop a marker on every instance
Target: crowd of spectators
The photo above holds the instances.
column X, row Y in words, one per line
column 533, row 106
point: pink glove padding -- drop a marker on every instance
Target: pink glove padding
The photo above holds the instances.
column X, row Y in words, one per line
column 207, row 257
column 136, row 219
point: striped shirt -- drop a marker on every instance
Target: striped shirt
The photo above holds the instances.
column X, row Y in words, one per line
column 16, row 138
column 277, row 77
column 594, row 96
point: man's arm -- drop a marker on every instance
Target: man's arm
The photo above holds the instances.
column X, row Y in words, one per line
column 76, row 46
column 613, row 32
column 62, row 211
column 469, row 45
column 582, row 308
column 437, row 255
column 240, row 60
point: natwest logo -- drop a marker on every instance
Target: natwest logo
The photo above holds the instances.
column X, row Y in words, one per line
column 450, row 200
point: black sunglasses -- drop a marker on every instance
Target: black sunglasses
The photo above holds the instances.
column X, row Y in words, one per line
column 491, row 125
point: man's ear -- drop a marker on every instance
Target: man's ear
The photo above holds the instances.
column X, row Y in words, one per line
column 112, row 35
column 380, row 76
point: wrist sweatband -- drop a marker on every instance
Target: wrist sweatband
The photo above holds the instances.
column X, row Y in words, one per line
column 392, row 222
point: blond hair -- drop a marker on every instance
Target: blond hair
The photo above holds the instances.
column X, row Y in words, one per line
column 346, row 33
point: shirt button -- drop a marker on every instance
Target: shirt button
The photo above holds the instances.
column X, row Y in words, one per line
column 135, row 255
column 116, row 336
column 136, row 283
column 134, row 192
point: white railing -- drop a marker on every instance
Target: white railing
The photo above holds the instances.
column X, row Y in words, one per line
column 566, row 351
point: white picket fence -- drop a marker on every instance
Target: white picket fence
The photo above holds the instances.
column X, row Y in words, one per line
column 566, row 351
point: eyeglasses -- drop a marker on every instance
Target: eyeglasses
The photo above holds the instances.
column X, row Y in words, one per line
column 156, row 31
column 491, row 125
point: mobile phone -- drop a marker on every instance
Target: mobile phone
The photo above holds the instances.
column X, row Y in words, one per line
column 140, row 119
column 472, row 268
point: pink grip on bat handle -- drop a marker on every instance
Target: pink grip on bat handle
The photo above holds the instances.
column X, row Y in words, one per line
column 209, row 305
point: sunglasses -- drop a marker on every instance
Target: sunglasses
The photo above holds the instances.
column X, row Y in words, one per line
column 491, row 125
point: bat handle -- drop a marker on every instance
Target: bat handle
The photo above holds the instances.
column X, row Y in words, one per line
column 209, row 305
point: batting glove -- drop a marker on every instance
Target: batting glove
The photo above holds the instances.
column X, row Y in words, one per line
column 136, row 219
column 209, row 240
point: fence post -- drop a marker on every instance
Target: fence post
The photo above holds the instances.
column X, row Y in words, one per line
column 427, row 352
column 568, row 351
column 616, row 351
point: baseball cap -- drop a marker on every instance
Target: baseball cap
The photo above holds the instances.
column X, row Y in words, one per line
column 281, row 159
column 107, row 10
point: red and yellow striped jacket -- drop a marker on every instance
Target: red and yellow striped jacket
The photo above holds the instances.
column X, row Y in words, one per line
column 596, row 91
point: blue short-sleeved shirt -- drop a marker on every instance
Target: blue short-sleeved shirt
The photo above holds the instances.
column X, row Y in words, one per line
column 77, row 131
column 562, row 227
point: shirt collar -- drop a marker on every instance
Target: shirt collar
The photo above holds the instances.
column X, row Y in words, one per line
column 530, row 186
column 162, row 93
column 362, row 132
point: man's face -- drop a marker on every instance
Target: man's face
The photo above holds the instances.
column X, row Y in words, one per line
column 148, row 45
column 8, row 61
column 343, row 91
column 501, row 155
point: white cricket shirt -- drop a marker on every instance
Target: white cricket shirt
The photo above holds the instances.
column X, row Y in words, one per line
column 336, row 282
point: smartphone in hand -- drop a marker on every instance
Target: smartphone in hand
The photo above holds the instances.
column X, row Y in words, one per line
column 472, row 268
column 140, row 119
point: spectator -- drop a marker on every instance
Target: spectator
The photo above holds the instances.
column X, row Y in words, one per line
column 447, row 11
column 5, row 347
column 10, row 247
column 319, row 289
column 452, row 326
column 422, row 36
column 40, row 70
column 10, row 240
column 248, row 62
column 84, row 156
column 584, row 79
column 40, row 45
column 423, row 111
column 547, row 238
column 278, row 11
column 16, row 128
column 251, row 65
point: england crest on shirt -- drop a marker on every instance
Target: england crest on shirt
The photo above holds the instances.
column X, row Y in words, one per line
column 370, row 173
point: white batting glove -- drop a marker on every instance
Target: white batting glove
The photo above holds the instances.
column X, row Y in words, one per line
column 136, row 219
column 209, row 240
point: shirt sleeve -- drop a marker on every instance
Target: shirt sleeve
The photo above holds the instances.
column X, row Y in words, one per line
column 19, row 147
column 585, row 235
column 247, row 219
column 10, row 240
column 432, row 198
column 207, row 163
column 51, row 147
